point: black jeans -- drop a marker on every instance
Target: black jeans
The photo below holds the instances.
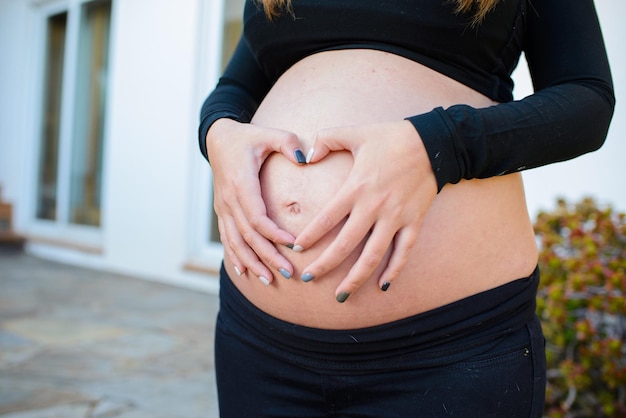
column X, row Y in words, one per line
column 480, row 357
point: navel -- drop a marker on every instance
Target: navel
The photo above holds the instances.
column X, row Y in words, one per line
column 294, row 208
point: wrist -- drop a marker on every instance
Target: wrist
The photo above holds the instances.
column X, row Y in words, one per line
column 425, row 166
column 216, row 131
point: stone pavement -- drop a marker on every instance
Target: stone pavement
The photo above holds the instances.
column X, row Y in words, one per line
column 78, row 343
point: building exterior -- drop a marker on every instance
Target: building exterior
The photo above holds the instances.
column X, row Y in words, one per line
column 99, row 106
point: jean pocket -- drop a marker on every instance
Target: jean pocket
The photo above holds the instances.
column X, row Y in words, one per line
column 508, row 357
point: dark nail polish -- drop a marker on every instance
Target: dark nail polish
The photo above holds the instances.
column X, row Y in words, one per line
column 307, row 277
column 385, row 286
column 342, row 297
column 300, row 156
column 296, row 248
column 285, row 273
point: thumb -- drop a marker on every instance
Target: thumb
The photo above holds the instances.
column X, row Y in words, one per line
column 288, row 144
column 327, row 140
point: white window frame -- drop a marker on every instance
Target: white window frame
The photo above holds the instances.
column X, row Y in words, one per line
column 204, row 254
column 59, row 231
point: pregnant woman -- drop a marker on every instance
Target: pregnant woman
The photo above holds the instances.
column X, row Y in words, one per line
column 379, row 257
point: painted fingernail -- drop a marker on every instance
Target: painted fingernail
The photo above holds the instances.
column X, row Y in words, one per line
column 237, row 271
column 264, row 281
column 285, row 273
column 309, row 155
column 307, row 277
column 385, row 286
column 297, row 248
column 300, row 156
column 342, row 297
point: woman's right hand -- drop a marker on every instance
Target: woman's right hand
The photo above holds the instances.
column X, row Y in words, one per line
column 236, row 152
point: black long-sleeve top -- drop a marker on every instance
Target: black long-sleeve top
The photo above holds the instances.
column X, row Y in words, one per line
column 568, row 115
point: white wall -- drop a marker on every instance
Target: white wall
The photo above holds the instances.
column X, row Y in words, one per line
column 601, row 174
column 150, row 135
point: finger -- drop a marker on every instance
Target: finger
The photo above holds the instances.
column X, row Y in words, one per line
column 240, row 268
column 284, row 142
column 259, row 142
column 332, row 213
column 246, row 255
column 403, row 243
column 332, row 139
column 264, row 250
column 290, row 147
column 255, row 212
column 372, row 256
column 352, row 233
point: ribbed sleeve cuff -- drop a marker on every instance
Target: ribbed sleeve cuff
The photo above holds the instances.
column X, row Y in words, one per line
column 438, row 137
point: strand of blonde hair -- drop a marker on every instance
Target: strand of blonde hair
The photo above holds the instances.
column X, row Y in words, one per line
column 482, row 7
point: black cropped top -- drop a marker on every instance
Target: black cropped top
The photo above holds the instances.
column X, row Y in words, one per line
column 568, row 115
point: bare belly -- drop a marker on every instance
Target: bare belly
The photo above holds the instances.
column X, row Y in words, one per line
column 476, row 236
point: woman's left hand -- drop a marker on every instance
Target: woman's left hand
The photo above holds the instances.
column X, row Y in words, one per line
column 386, row 195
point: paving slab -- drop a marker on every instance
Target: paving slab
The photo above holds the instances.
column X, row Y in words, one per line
column 82, row 343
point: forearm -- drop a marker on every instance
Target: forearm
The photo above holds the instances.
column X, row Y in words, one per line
column 553, row 125
column 237, row 94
